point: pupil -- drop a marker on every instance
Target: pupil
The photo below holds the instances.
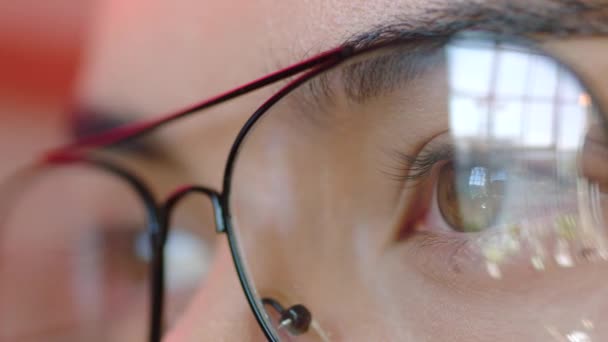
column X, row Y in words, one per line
column 469, row 198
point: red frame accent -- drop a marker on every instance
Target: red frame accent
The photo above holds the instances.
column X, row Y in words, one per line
column 72, row 151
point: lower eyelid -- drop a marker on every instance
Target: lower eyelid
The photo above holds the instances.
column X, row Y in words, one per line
column 429, row 238
column 443, row 260
column 462, row 260
column 460, row 252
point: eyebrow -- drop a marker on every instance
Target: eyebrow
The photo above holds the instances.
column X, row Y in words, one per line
column 515, row 17
column 86, row 121
column 560, row 18
column 424, row 34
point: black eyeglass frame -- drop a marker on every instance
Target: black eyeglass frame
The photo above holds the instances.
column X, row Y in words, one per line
column 159, row 215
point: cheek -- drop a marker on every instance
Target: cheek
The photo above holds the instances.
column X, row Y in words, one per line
column 417, row 299
column 313, row 218
column 219, row 310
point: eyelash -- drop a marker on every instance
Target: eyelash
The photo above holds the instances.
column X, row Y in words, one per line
column 411, row 169
column 452, row 249
column 410, row 172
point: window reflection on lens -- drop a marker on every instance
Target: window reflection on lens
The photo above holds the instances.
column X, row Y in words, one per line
column 542, row 145
column 470, row 198
column 484, row 209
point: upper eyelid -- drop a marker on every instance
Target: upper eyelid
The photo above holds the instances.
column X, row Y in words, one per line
column 411, row 169
column 415, row 168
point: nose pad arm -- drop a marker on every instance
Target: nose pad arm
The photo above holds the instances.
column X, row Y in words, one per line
column 295, row 319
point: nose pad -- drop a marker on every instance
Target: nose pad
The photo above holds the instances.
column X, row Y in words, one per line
column 220, row 301
column 296, row 319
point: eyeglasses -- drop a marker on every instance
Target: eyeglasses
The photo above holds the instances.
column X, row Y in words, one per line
column 416, row 184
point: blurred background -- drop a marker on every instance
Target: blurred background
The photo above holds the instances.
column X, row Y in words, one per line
column 41, row 44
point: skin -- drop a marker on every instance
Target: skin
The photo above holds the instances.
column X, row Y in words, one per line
column 149, row 57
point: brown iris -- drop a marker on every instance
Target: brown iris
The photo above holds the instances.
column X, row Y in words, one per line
column 469, row 198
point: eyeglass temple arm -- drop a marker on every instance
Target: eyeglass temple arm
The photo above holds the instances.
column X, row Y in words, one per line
column 137, row 129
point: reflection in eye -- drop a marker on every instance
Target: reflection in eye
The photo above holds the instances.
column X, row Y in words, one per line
column 187, row 260
column 470, row 199
column 186, row 257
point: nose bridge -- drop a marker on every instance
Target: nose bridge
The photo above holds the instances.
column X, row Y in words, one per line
column 189, row 190
column 219, row 310
column 158, row 262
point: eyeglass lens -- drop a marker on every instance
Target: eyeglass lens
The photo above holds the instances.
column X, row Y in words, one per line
column 432, row 191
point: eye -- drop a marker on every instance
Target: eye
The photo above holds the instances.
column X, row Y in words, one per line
column 186, row 257
column 118, row 251
column 470, row 198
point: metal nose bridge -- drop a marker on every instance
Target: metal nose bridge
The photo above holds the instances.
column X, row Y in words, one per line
column 158, row 283
column 184, row 191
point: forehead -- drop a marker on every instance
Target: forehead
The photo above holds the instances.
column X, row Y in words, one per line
column 203, row 47
column 199, row 48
